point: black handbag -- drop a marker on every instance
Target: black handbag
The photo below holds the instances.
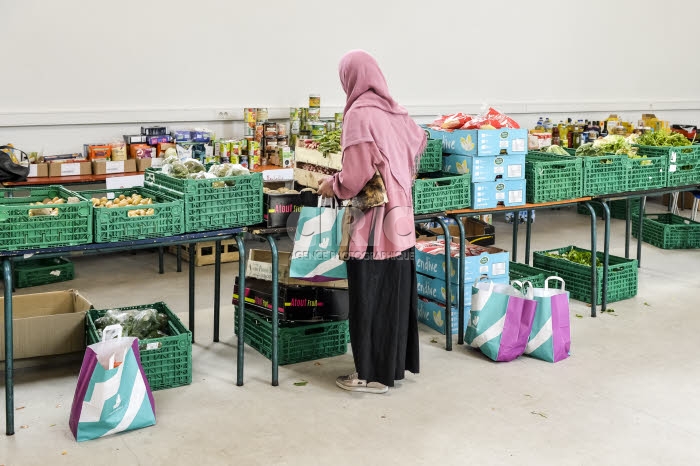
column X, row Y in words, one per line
column 9, row 170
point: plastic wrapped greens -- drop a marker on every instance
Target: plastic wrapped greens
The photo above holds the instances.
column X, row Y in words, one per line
column 178, row 170
column 139, row 323
column 201, row 176
column 228, row 169
column 193, row 166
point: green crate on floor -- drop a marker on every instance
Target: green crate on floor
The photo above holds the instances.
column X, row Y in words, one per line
column 618, row 209
column 441, row 192
column 604, row 174
column 622, row 275
column 167, row 361
column 683, row 163
column 296, row 342
column 526, row 273
column 668, row 231
column 215, row 203
column 116, row 224
column 42, row 272
column 552, row 178
column 71, row 226
column 646, row 173
column 431, row 160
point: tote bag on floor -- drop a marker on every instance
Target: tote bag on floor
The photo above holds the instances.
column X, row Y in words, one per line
column 550, row 339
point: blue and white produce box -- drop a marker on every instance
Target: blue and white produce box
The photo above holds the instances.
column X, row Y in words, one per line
column 432, row 314
column 510, row 167
column 479, row 261
column 488, row 195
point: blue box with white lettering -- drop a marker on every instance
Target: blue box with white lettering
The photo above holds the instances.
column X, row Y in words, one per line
column 508, row 193
column 504, row 141
column 499, row 167
column 456, row 164
column 432, row 314
column 458, row 141
column 479, row 261
column 434, row 288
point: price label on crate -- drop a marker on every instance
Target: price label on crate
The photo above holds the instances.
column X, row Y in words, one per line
column 70, row 169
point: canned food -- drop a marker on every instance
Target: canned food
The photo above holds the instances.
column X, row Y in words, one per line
column 294, row 126
column 270, row 129
column 254, row 148
column 314, row 114
column 236, row 148
column 249, row 129
column 243, row 160
column 282, row 140
column 259, row 132
column 249, row 115
column 314, row 101
column 338, row 118
column 253, row 161
column 281, row 129
column 271, row 142
column 261, row 116
column 294, row 113
column 224, row 149
column 318, row 129
column 235, row 159
column 330, row 126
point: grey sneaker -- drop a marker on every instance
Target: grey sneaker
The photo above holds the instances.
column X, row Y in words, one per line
column 354, row 384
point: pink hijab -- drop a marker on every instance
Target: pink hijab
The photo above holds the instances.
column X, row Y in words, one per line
column 396, row 135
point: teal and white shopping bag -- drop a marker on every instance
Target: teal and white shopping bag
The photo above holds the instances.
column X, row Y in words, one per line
column 550, row 339
column 113, row 394
column 315, row 256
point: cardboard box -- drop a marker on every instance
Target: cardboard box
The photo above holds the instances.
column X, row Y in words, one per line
column 38, row 170
column 458, row 142
column 433, row 315
column 510, row 167
column 434, row 289
column 484, row 261
column 103, row 167
column 282, row 210
column 456, row 164
column 482, row 142
column 298, row 303
column 260, row 266
column 143, row 164
column 315, row 157
column 47, row 324
column 70, row 168
column 475, row 232
column 488, row 195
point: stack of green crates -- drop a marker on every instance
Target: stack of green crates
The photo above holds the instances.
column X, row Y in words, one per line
column 552, row 178
column 441, row 192
column 683, row 163
column 431, row 160
column 618, row 209
column 42, row 272
column 525, row 273
column 668, row 231
column 167, row 361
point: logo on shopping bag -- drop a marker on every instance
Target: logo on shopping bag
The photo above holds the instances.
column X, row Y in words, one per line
column 324, row 243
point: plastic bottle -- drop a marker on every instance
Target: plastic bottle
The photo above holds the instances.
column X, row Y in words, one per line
column 563, row 134
column 540, row 125
column 556, row 139
column 547, row 124
column 570, row 133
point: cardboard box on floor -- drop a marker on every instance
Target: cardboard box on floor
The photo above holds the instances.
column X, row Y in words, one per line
column 259, row 265
column 46, row 324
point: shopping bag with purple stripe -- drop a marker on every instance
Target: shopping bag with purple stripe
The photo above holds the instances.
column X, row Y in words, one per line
column 550, row 339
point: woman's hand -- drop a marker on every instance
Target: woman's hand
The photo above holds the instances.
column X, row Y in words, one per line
column 325, row 189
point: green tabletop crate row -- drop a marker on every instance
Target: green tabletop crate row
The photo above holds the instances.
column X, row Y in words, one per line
column 668, row 231
column 441, row 192
column 431, row 160
column 38, row 272
column 166, row 360
column 213, row 203
column 134, row 213
column 552, row 178
column 297, row 342
column 51, row 216
column 576, row 272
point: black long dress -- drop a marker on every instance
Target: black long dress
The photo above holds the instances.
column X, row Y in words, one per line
column 383, row 316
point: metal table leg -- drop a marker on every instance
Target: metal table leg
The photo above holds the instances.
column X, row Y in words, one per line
column 628, row 223
column 275, row 305
column 594, row 237
column 179, row 257
column 217, row 288
column 240, row 348
column 160, row 260
column 192, row 290
column 606, row 257
column 460, row 276
column 640, row 225
column 448, row 291
column 528, row 234
column 516, row 223
column 9, row 355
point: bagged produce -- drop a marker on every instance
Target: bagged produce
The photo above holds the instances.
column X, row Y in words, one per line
column 139, row 323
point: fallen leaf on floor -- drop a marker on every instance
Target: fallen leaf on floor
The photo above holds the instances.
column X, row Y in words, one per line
column 609, row 310
column 317, row 364
column 383, row 417
column 24, row 427
column 301, row 383
column 579, row 316
column 433, row 340
column 527, row 395
column 588, row 305
column 64, row 452
column 52, row 425
column 537, row 413
column 646, row 303
column 21, row 407
column 58, row 405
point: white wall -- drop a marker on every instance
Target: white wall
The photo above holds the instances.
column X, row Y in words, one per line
column 98, row 69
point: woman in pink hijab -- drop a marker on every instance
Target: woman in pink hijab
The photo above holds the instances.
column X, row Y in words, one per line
column 378, row 136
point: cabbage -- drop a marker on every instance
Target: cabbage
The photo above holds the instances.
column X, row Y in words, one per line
column 193, row 166
column 178, row 170
column 170, row 152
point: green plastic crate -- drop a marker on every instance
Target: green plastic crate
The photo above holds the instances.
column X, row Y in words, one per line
column 71, row 227
column 618, row 209
column 683, row 163
column 431, row 160
column 668, row 231
column 114, row 224
column 622, row 275
column 441, row 192
column 169, row 363
column 648, row 172
column 296, row 342
column 553, row 178
column 42, row 272
column 526, row 273
column 239, row 202
column 605, row 174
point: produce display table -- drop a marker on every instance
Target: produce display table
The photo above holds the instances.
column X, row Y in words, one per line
column 66, row 180
column 8, row 257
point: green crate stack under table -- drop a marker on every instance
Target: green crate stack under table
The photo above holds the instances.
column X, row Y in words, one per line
column 38, row 272
column 214, row 203
column 72, row 226
column 431, row 160
column 668, row 231
column 526, row 273
column 115, row 224
column 167, row 361
column 618, row 208
column 297, row 342
column 441, row 192
column 683, row 163
column 552, row 178
column 622, row 275
column 604, row 174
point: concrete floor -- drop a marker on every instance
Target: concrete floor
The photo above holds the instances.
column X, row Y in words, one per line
column 627, row 395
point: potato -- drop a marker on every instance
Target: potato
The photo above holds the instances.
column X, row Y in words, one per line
column 122, row 197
